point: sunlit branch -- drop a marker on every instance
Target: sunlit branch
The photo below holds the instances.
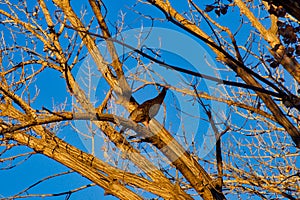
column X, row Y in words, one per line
column 280, row 94
column 66, row 116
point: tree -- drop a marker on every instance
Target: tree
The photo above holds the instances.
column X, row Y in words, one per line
column 244, row 98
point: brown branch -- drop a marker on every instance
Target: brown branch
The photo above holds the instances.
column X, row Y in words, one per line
column 64, row 116
column 106, row 35
column 242, row 71
column 158, row 187
column 118, row 86
column 219, row 181
column 290, row 64
column 291, row 6
column 68, row 155
column 280, row 94
column 184, row 162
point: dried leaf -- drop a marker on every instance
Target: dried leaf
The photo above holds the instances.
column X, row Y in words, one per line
column 298, row 50
column 274, row 64
column 218, row 12
column 224, row 10
column 209, row 8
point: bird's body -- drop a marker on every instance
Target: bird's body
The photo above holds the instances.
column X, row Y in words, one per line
column 147, row 110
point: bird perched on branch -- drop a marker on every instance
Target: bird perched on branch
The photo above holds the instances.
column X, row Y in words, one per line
column 147, row 110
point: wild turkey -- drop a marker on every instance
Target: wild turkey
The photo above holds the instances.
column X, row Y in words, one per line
column 147, row 110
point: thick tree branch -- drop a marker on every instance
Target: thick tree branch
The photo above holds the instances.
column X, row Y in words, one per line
column 68, row 155
column 173, row 150
column 242, row 71
column 290, row 64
